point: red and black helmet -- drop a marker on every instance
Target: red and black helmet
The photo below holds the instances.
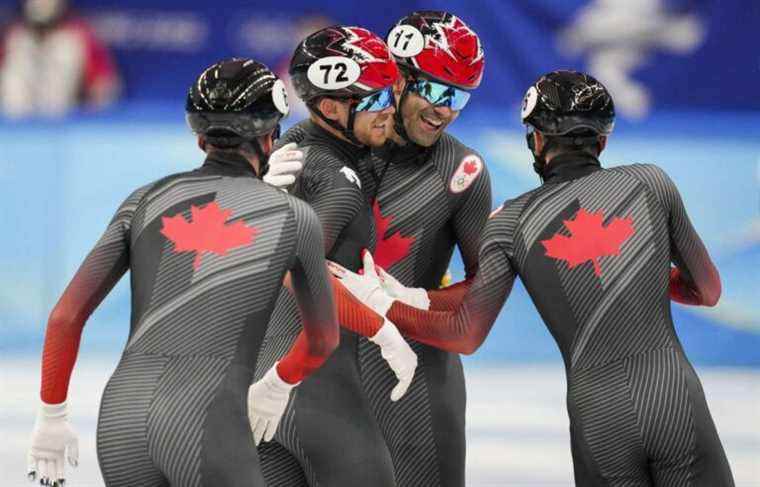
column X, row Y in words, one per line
column 342, row 62
column 440, row 46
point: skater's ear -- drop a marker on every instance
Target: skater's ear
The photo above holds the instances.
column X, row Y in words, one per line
column 602, row 143
column 330, row 108
column 398, row 87
column 202, row 143
column 538, row 142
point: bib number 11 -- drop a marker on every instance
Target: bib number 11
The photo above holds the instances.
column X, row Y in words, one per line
column 406, row 41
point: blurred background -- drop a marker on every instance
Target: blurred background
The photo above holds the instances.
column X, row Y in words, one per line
column 92, row 106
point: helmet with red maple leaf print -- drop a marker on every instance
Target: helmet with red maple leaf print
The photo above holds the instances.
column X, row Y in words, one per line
column 438, row 45
column 441, row 58
column 342, row 62
column 348, row 63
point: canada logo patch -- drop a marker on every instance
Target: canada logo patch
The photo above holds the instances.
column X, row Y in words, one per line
column 466, row 173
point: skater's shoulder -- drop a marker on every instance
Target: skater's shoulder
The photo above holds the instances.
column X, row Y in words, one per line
column 296, row 133
column 641, row 171
column 449, row 151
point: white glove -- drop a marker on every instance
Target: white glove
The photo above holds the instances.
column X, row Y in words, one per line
column 52, row 438
column 413, row 296
column 399, row 355
column 394, row 349
column 366, row 287
column 267, row 399
column 284, row 165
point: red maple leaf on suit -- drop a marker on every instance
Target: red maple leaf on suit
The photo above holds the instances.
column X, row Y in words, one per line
column 470, row 167
column 391, row 249
column 589, row 239
column 207, row 232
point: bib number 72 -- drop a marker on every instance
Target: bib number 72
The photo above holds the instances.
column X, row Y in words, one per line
column 333, row 72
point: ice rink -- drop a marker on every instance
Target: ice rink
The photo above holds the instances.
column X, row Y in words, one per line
column 516, row 421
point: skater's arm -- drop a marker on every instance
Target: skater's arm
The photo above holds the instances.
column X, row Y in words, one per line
column 97, row 275
column 461, row 329
column 469, row 219
column 450, row 297
column 464, row 328
column 694, row 280
column 333, row 193
column 312, row 289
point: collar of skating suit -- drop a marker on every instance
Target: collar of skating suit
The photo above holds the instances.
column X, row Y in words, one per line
column 410, row 153
column 572, row 165
column 227, row 164
column 345, row 149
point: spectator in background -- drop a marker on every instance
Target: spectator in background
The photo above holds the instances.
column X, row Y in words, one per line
column 51, row 62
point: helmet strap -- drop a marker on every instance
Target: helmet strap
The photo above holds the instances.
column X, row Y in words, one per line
column 347, row 131
column 398, row 118
column 539, row 160
column 253, row 145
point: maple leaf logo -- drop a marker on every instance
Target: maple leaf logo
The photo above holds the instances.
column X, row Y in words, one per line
column 207, row 232
column 392, row 249
column 590, row 239
column 470, row 167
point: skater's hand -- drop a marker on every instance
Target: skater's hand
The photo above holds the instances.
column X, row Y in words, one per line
column 399, row 355
column 285, row 165
column 53, row 438
column 412, row 296
column 267, row 399
column 394, row 349
column 366, row 286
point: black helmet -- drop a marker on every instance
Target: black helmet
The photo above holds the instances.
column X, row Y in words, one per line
column 564, row 102
column 572, row 108
column 235, row 101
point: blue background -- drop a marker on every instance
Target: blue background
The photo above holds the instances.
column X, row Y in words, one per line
column 62, row 180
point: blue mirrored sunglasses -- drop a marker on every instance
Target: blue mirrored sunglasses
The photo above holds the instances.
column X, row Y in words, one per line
column 376, row 102
column 440, row 95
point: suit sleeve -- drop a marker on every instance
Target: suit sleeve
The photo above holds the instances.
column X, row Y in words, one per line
column 334, row 194
column 296, row 134
column 449, row 298
column 313, row 292
column 336, row 197
column 470, row 219
column 694, row 279
column 101, row 270
column 464, row 328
